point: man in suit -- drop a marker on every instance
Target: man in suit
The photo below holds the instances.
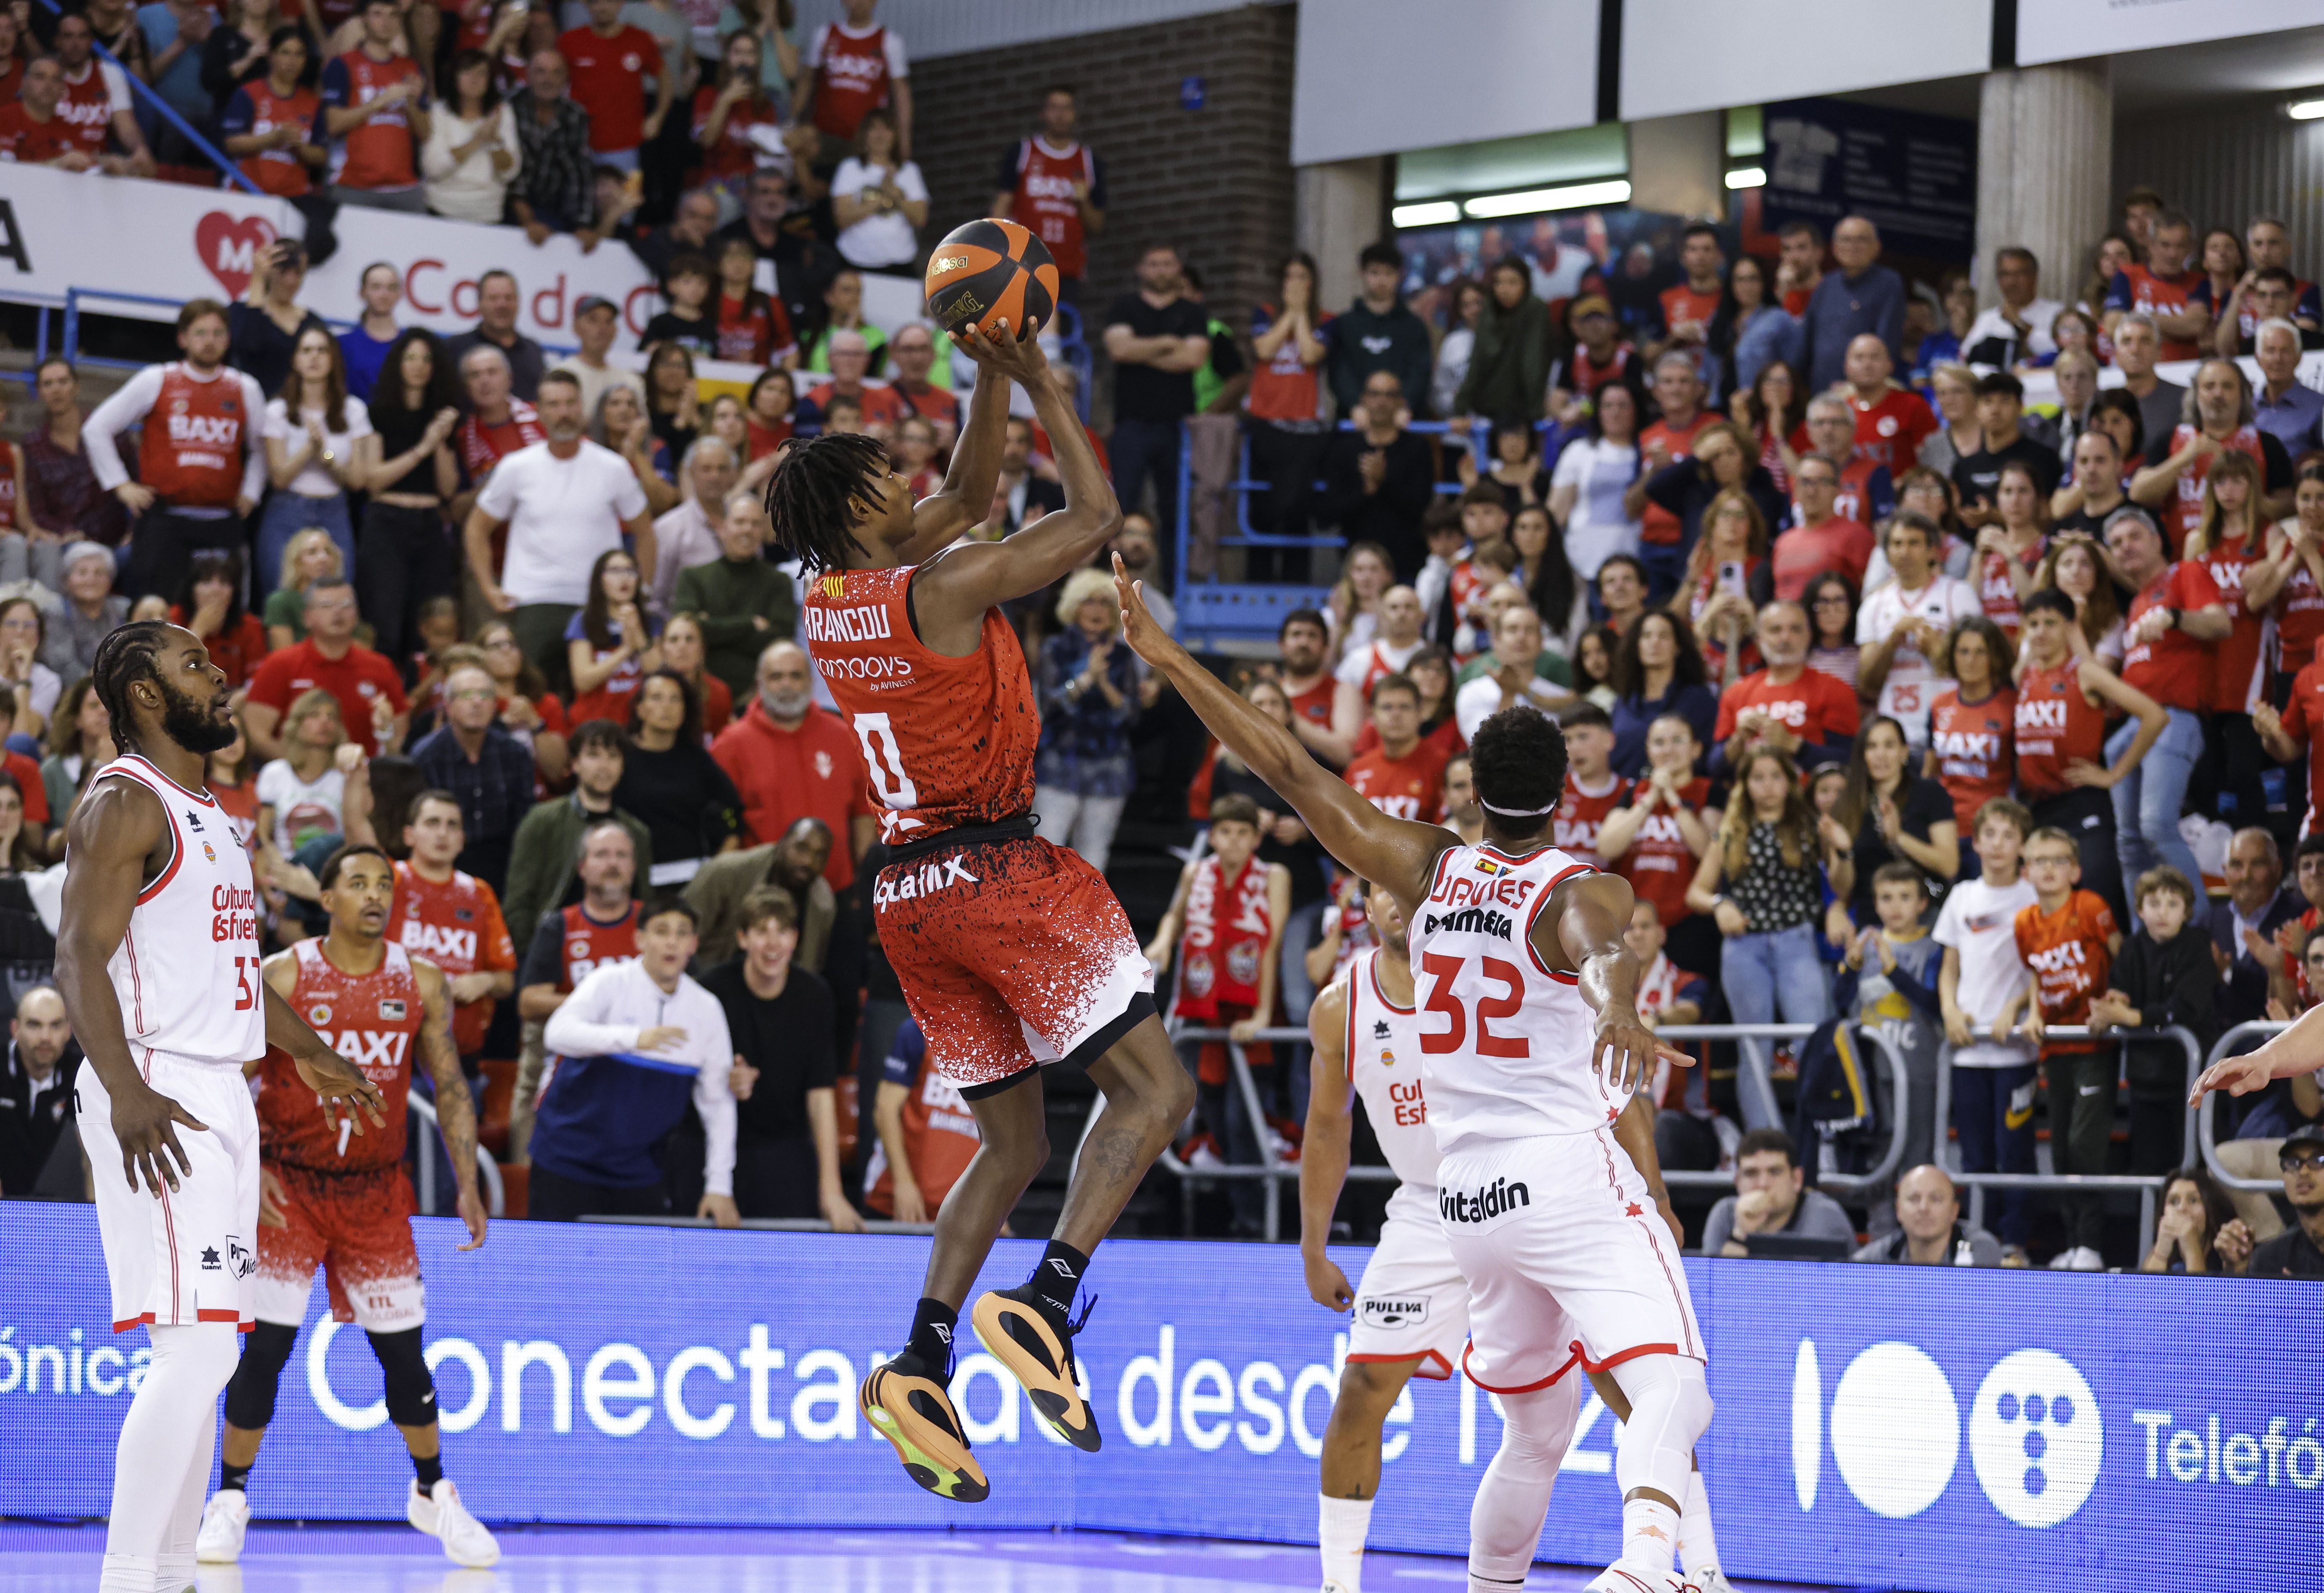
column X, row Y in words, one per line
column 2243, row 927
column 36, row 1091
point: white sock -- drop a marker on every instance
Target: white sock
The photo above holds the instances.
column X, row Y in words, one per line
column 164, row 1449
column 1341, row 1527
column 1698, row 1545
column 126, row 1573
column 1513, row 1498
column 1649, row 1537
column 176, row 1572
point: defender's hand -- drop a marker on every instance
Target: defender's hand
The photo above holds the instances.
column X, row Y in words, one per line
column 2237, row 1075
column 1146, row 639
column 335, row 1078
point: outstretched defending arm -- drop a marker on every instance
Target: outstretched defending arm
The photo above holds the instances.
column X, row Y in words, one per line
column 1398, row 853
column 963, row 583
column 2298, row 1050
column 1589, row 911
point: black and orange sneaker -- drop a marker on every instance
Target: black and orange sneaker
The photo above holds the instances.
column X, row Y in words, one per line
column 1038, row 1354
column 907, row 1405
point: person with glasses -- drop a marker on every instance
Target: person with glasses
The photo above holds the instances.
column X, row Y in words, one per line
column 2299, row 1250
column 1379, row 478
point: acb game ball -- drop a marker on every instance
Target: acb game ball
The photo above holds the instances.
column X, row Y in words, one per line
column 988, row 272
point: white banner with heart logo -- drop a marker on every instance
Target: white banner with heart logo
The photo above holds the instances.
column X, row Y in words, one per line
column 167, row 243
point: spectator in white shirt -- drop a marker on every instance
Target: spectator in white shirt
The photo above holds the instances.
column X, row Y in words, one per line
column 1516, row 651
column 1387, row 653
column 1593, row 473
column 472, row 154
column 2018, row 329
column 1903, row 625
column 563, row 502
column 688, row 534
column 879, row 201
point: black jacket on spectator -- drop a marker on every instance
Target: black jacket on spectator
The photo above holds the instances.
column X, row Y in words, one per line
column 33, row 1118
column 791, row 1041
column 1362, row 342
column 804, row 268
column 526, row 361
column 1391, row 516
column 2173, row 985
column 494, row 792
column 683, row 798
column 259, row 348
column 2243, row 997
column 2290, row 1254
column 1977, row 475
column 1686, row 490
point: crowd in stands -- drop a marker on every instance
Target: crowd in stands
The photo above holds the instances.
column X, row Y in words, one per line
column 1897, row 701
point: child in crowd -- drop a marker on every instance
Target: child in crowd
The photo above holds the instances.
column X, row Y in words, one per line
column 1889, row 983
column 1657, row 834
column 2069, row 939
column 1983, row 986
column 2165, row 978
column 687, row 322
column 1592, row 789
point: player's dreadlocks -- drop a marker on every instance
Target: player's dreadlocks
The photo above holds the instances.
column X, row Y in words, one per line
column 124, row 658
column 816, row 492
column 1518, row 759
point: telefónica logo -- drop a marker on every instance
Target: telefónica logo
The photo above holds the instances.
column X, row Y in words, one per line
column 1895, row 1431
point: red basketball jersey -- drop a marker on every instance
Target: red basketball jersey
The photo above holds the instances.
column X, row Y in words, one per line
column 948, row 741
column 369, row 1019
column 851, row 79
column 456, row 924
column 1580, row 813
column 2186, row 509
column 1660, row 864
column 2238, row 678
column 1972, row 743
column 1225, row 939
column 379, row 154
column 2299, row 614
column 588, row 945
column 1045, row 202
column 87, row 108
column 192, row 451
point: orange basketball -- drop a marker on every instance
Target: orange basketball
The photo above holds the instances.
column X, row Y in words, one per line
column 988, row 272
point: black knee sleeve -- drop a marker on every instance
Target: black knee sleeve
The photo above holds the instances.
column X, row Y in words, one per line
column 250, row 1396
column 410, row 1389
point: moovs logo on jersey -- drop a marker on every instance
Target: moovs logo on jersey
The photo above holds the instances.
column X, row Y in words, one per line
column 1894, row 1430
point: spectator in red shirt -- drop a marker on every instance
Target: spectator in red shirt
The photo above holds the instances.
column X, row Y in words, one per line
column 2175, row 623
column 1689, row 308
column 912, row 353
column 1404, row 775
column 610, row 61
column 2165, row 287
column 270, row 125
column 791, row 761
column 1821, row 540
column 210, row 604
column 1678, row 391
column 853, row 67
column 729, row 109
column 1800, row 267
column 498, row 424
column 851, row 357
column 375, row 105
column 1891, row 421
column 31, row 133
column 96, row 94
column 369, row 691
column 1787, row 707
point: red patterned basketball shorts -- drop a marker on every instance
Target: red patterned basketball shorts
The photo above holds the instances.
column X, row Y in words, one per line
column 357, row 1228
column 1012, row 954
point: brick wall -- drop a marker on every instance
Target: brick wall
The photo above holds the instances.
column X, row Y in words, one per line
column 1216, row 181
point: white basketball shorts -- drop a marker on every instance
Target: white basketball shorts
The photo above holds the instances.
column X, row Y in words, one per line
column 190, row 1255
column 1568, row 1260
column 1411, row 1299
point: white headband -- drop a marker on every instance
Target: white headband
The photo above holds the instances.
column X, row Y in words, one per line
column 1512, row 813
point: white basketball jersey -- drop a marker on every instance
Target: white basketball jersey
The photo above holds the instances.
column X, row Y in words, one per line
column 1504, row 1042
column 186, row 974
column 1384, row 1064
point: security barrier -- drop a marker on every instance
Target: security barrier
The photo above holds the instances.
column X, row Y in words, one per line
column 2207, row 1113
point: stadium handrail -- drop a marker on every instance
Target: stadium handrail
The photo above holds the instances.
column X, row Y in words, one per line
column 143, row 91
column 2206, row 1139
column 2150, row 1187
column 495, row 1192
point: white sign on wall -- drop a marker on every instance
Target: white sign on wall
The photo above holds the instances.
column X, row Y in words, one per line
column 2070, row 29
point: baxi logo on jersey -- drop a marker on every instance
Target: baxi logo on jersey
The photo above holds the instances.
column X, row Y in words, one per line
column 235, row 913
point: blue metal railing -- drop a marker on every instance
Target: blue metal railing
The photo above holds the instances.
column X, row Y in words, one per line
column 167, row 112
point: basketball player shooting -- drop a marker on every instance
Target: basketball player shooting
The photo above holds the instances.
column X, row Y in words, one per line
column 1012, row 953
column 1531, row 1049
column 157, row 959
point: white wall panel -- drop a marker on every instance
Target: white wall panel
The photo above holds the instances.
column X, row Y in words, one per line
column 1380, row 76
column 1700, row 55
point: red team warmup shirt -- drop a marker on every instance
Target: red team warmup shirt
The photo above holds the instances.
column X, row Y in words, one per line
column 609, row 81
column 88, row 103
column 1890, row 432
column 1857, row 500
column 26, row 139
column 2238, row 665
column 1225, row 941
column 940, row 1132
column 1660, row 865
column 456, row 924
column 369, row 1019
column 1683, row 303
column 256, row 109
column 852, row 72
column 1044, row 182
column 754, row 331
column 1580, row 813
column 379, row 154
column 585, row 946
column 1814, row 707
column 190, row 449
column 1805, row 552
column 2136, row 287
column 2299, row 619
column 2054, row 725
column 2176, row 670
column 1408, row 788
column 1973, row 743
column 1997, row 592
column 2067, row 951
